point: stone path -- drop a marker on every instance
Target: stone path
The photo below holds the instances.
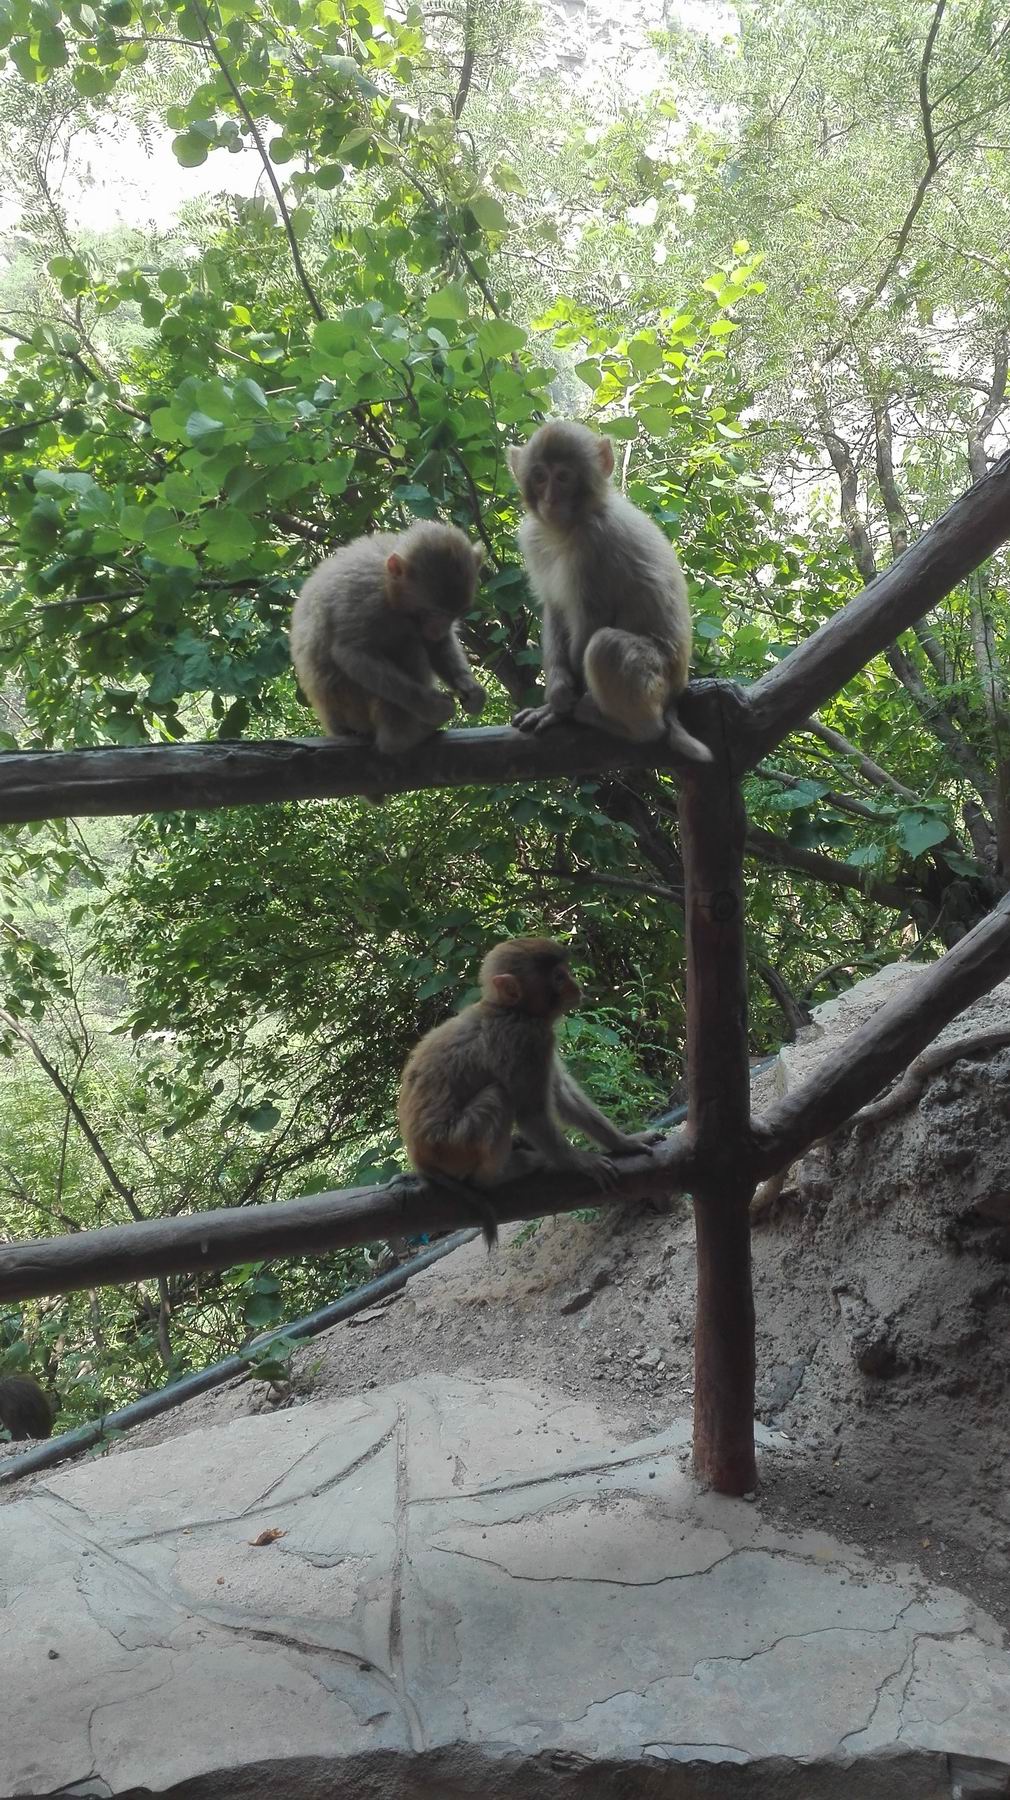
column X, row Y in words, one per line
column 478, row 1592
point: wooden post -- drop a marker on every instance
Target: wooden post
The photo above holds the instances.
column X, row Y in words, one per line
column 713, row 827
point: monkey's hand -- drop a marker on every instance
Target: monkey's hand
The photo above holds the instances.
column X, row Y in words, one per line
column 599, row 1169
column 537, row 718
column 473, row 699
column 633, row 1143
column 439, row 707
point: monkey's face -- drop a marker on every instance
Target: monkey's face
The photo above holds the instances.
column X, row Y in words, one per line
column 567, row 989
column 557, row 492
column 433, row 624
column 530, row 975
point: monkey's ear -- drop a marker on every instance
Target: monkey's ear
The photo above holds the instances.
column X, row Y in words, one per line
column 396, row 568
column 478, row 555
column 515, row 462
column 507, row 989
column 606, row 456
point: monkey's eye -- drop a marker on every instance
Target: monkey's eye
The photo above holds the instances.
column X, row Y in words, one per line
column 538, row 474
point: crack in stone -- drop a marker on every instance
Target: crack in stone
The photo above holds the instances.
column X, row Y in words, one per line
column 930, row 1637
column 400, row 1562
column 797, row 1637
column 352, row 1659
column 657, row 1747
column 584, row 1580
column 883, row 1693
column 575, row 1472
column 242, row 1518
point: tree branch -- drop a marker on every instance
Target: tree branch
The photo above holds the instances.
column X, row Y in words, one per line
column 268, row 168
column 94, row 783
column 780, row 854
column 968, row 532
column 934, row 161
column 73, row 1105
column 870, row 770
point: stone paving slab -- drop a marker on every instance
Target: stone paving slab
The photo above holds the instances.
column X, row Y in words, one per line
column 478, row 1592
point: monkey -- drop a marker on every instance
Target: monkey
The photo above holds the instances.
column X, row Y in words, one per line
column 495, row 1066
column 616, row 633
column 375, row 623
column 25, row 1411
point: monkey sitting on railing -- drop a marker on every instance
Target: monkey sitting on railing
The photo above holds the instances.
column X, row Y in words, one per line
column 494, row 1069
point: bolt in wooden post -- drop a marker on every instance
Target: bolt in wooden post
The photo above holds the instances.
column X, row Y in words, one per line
column 713, row 823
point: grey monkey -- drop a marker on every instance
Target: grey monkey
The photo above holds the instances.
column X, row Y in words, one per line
column 616, row 635
column 373, row 627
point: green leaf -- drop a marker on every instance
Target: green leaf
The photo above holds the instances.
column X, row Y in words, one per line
column 230, row 535
column 199, row 427
column 792, row 799
column 252, row 393
column 89, row 82
column 919, row 831
column 489, row 213
column 52, row 50
column 450, row 302
column 499, row 337
column 589, row 372
column 263, row 1118
column 645, row 355
column 165, row 547
column 190, row 149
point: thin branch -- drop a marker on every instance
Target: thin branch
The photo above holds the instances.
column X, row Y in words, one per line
column 841, row 802
column 629, row 884
column 268, row 168
column 937, row 1057
column 73, row 1105
column 870, row 770
column 466, row 72
column 934, row 161
column 796, row 1014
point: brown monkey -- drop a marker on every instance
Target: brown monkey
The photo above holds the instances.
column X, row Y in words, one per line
column 494, row 1067
column 25, row 1411
column 374, row 625
column 616, row 636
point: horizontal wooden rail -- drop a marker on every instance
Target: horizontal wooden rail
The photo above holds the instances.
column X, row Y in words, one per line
column 319, row 1222
column 874, row 1056
column 60, row 784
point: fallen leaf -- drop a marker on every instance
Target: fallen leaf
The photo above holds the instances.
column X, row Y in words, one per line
column 269, row 1536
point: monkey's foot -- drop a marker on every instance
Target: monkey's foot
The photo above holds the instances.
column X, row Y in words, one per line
column 538, row 718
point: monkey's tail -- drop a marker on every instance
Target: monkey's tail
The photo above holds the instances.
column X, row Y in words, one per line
column 682, row 741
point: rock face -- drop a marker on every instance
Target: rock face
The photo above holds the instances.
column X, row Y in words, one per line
column 951, row 1151
column 479, row 1590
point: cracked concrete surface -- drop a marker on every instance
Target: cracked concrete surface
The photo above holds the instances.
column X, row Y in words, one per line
column 478, row 1592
